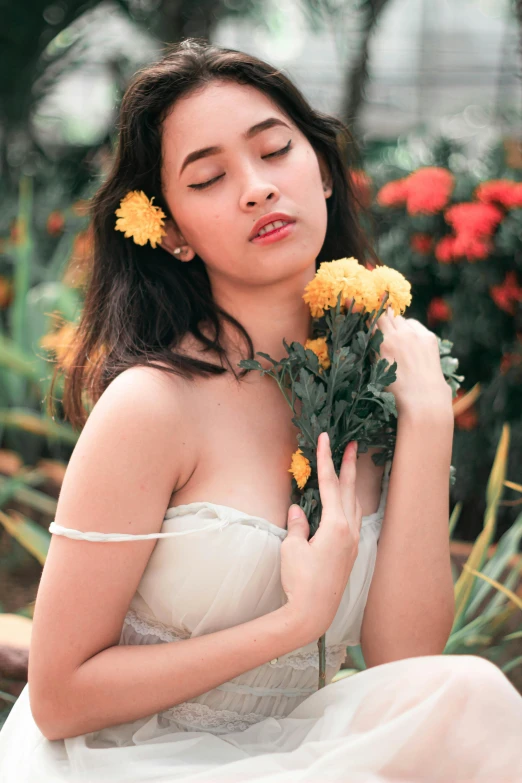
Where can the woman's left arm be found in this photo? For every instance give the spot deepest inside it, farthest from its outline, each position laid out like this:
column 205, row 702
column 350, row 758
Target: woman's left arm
column 410, row 605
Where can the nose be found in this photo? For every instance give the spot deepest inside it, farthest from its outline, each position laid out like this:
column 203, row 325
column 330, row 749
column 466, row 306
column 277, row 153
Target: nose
column 256, row 193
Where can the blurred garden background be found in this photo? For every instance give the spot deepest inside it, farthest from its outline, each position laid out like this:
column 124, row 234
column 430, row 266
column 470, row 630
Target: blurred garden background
column 432, row 91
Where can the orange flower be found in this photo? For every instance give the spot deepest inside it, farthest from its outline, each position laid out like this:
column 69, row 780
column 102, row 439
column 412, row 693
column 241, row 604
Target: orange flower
column 300, row 468
column 438, row 310
column 140, row 219
column 55, row 223
column 421, row 243
column 320, row 348
column 468, row 419
column 507, row 294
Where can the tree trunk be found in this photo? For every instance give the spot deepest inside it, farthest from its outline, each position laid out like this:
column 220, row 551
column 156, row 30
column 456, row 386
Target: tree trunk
column 357, row 74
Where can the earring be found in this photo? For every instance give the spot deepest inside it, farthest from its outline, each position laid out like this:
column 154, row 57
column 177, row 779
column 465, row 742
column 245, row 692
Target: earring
column 178, row 251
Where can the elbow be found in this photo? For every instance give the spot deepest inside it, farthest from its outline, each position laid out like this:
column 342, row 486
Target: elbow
column 53, row 729
column 50, row 717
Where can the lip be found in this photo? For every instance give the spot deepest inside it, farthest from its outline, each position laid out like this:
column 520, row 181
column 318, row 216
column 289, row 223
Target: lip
column 270, row 218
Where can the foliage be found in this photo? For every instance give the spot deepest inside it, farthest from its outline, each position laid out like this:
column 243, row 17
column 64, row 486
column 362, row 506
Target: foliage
column 469, row 292
column 347, row 399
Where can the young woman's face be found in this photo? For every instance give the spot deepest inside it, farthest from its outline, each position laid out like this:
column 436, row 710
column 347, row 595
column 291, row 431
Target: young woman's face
column 218, row 195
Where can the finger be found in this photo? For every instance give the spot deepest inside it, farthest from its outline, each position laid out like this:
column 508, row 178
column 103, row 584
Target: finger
column 347, row 476
column 297, row 523
column 329, row 489
column 382, row 323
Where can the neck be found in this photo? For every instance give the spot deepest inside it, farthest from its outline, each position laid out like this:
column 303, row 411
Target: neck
column 269, row 313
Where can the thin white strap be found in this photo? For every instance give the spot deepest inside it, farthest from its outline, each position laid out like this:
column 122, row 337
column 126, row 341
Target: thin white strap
column 70, row 532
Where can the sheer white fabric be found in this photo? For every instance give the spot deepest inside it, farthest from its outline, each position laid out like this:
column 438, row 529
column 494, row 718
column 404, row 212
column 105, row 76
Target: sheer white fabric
column 432, row 718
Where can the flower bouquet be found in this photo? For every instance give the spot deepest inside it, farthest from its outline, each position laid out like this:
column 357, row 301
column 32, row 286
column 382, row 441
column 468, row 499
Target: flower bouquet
column 336, row 381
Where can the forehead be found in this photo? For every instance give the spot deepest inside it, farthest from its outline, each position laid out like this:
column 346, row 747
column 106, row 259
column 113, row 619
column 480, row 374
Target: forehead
column 216, row 114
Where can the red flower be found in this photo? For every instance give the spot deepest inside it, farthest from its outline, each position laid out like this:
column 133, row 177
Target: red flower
column 421, row 243
column 393, row 194
column 468, row 246
column 503, row 191
column 478, row 219
column 429, row 190
column 426, row 190
column 516, row 196
column 55, row 223
column 438, row 310
column 508, row 361
column 444, row 250
column 468, row 419
column 362, row 184
column 507, row 294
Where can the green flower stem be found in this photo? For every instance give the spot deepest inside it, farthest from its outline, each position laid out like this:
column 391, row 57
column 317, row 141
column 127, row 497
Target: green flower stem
column 321, row 644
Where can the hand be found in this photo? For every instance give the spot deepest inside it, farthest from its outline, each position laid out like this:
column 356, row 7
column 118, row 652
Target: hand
column 420, row 380
column 315, row 572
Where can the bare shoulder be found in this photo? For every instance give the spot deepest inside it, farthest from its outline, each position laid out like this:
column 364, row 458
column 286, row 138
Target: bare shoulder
column 135, row 446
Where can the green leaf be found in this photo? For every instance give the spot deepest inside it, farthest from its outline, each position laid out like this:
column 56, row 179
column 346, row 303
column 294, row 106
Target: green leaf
column 250, row 364
column 310, row 391
column 267, row 357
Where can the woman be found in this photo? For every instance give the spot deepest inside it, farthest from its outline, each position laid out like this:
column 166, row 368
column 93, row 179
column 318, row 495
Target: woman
column 184, row 648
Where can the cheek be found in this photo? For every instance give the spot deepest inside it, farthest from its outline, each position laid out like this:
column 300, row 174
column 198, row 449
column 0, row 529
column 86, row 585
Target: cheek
column 209, row 231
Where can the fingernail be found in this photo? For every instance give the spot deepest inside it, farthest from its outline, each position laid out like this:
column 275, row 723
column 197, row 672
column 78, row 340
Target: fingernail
column 294, row 511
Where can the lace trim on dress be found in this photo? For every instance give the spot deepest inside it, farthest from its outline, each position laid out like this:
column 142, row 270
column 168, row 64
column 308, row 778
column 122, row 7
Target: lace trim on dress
column 335, row 654
column 199, row 717
column 146, row 626
column 252, row 690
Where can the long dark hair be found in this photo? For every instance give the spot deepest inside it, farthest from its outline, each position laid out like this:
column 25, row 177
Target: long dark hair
column 140, row 303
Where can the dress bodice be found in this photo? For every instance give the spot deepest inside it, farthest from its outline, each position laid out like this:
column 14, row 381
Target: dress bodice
column 214, row 567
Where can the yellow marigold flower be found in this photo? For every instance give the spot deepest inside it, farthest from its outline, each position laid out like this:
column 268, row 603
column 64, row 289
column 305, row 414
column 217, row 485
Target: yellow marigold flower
column 344, row 275
column 386, row 279
column 300, row 468
column 320, row 348
column 139, row 219
column 320, row 294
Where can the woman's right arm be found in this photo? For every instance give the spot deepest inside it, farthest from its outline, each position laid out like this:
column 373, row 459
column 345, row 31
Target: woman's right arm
column 136, row 446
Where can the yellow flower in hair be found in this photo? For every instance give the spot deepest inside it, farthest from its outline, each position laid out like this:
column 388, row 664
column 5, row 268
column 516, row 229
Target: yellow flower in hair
column 139, row 219
column 386, row 279
column 300, row 468
column 320, row 348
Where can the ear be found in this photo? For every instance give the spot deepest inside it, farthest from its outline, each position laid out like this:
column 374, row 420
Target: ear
column 174, row 239
column 326, row 177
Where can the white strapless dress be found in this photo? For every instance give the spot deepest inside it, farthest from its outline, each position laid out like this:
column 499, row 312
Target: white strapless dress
column 443, row 718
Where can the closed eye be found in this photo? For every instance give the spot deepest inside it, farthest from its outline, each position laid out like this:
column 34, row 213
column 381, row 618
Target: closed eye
column 283, row 151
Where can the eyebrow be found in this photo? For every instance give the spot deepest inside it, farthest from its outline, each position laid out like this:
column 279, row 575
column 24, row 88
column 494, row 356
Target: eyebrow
column 270, row 122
